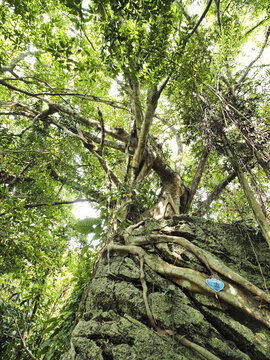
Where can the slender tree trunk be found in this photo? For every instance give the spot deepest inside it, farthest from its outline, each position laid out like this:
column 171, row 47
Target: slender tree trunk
column 257, row 211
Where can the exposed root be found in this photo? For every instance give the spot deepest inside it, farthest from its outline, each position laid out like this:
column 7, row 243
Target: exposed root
column 182, row 340
column 144, row 287
column 212, row 263
column 194, row 281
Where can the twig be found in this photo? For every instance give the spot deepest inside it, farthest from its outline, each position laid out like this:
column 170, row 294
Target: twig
column 255, row 26
column 227, row 7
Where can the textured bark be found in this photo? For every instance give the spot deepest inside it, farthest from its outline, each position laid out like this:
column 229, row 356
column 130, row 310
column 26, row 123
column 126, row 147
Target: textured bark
column 148, row 298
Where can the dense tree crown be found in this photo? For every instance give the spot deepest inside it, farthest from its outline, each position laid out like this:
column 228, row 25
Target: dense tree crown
column 142, row 108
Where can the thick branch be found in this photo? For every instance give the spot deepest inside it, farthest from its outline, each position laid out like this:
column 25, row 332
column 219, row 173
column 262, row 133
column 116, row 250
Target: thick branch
column 174, row 194
column 152, row 101
column 118, row 133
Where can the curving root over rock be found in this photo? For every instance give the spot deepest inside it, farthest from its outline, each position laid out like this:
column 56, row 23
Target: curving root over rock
column 149, row 299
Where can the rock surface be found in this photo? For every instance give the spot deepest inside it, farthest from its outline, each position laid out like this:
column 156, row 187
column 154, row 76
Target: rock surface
column 115, row 325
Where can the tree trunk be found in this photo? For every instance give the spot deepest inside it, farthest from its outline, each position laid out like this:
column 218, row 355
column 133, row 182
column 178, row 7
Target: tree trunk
column 149, row 299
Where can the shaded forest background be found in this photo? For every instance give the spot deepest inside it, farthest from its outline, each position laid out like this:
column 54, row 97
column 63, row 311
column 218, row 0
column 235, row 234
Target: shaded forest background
column 144, row 109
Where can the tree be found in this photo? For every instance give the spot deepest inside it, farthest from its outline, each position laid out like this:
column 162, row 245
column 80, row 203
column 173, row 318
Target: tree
column 64, row 137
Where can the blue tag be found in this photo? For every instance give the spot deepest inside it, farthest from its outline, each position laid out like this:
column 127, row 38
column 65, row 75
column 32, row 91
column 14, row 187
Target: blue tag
column 215, row 284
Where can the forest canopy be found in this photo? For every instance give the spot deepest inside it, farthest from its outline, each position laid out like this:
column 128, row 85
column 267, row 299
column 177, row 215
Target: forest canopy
column 141, row 108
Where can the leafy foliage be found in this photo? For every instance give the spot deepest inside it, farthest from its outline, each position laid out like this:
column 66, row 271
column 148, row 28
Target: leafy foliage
column 83, row 86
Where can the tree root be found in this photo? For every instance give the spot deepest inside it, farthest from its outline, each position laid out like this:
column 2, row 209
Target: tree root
column 212, row 263
column 182, row 340
column 194, row 281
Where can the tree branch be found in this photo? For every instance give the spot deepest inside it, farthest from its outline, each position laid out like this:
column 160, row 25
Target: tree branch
column 257, row 211
column 205, row 205
column 255, row 27
column 163, row 85
column 137, row 104
column 23, row 341
column 18, row 177
column 11, row 87
column 86, row 137
column 249, row 67
column 99, row 151
column 10, row 68
column 90, row 145
column 187, row 16
column 199, row 21
column 64, row 181
column 113, row 103
column 217, row 2
column 107, row 169
column 116, row 133
column 57, row 203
